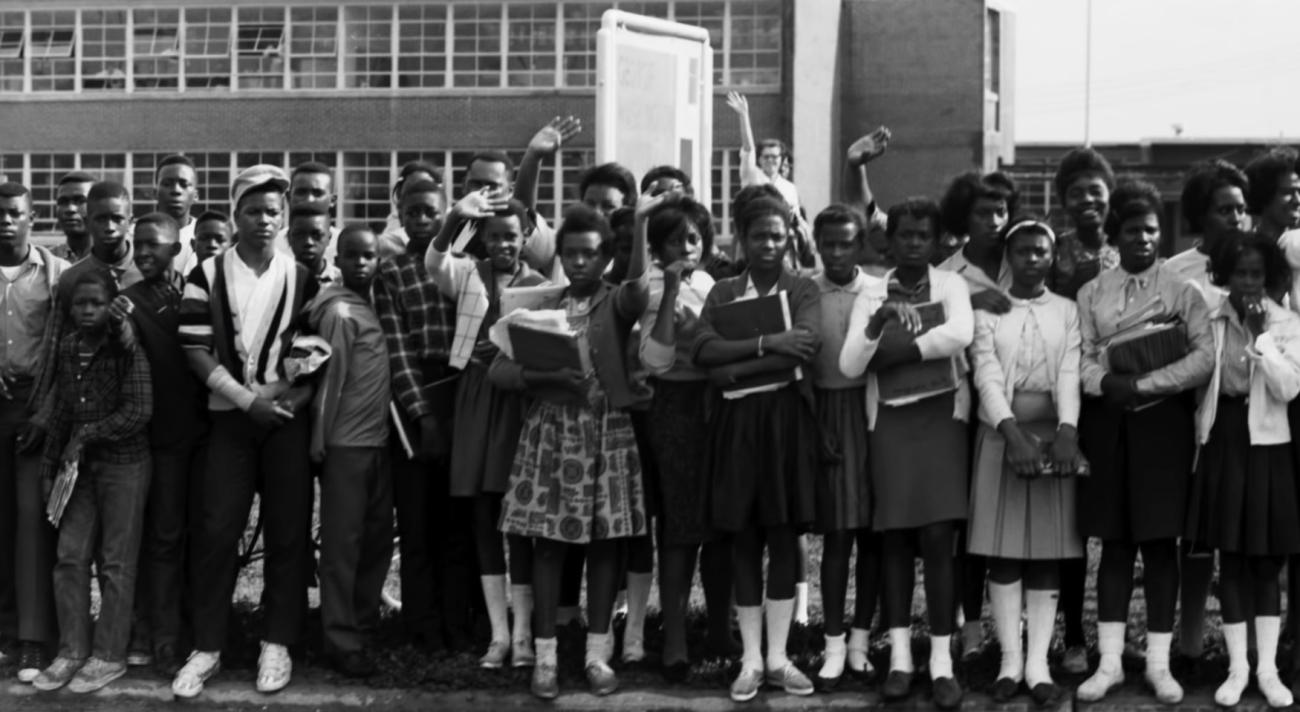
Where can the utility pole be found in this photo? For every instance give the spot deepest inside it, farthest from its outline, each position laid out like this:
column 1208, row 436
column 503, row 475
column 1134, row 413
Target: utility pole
column 1087, row 80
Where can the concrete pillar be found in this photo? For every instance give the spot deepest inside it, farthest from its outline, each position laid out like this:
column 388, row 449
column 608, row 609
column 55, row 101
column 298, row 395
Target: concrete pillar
column 815, row 79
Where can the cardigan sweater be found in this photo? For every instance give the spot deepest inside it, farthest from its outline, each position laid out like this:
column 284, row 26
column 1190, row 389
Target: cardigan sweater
column 1274, row 376
column 993, row 353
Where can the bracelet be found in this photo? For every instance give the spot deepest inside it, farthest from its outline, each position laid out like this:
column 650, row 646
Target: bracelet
column 760, row 346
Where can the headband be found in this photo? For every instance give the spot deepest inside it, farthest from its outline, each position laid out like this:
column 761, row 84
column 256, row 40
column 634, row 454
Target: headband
column 1023, row 224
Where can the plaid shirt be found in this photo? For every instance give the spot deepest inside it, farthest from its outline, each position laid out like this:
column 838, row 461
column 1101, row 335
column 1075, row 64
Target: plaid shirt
column 108, row 402
column 419, row 323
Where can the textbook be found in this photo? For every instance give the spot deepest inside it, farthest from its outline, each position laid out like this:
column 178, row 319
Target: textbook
column 1145, row 347
column 547, row 349
column 751, row 318
column 513, row 298
column 911, row 382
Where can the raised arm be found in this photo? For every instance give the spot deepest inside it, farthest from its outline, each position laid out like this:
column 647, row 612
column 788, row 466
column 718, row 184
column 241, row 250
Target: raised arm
column 749, row 172
column 857, row 186
column 634, row 293
column 449, row 271
column 545, row 142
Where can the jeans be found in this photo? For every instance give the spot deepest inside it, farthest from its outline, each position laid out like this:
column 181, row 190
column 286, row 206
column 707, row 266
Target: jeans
column 26, row 538
column 102, row 523
column 356, row 542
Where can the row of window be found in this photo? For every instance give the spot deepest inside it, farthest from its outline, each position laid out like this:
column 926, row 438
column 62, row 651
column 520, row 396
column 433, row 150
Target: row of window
column 363, row 179
column 373, row 46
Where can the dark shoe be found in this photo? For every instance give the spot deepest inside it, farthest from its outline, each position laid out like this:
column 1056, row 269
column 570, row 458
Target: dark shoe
column 826, row 684
column 458, row 641
column 1004, row 689
column 677, row 672
column 601, row 679
column 352, row 663
column 1046, row 694
column 898, row 685
column 946, row 693
column 722, row 646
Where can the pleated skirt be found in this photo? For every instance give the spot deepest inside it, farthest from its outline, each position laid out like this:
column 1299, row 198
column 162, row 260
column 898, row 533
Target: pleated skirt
column 844, row 485
column 488, row 421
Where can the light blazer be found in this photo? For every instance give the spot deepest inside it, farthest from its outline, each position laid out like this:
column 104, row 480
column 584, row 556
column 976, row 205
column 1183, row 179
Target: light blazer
column 997, row 339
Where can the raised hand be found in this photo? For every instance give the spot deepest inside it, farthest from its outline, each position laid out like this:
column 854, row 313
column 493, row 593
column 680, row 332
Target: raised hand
column 870, row 146
column 648, row 202
column 738, row 103
column 480, row 204
column 554, row 134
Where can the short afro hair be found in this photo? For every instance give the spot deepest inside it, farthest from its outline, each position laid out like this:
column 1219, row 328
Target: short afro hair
column 614, row 175
column 917, row 208
column 162, row 221
column 839, row 215
column 1079, row 162
column 667, row 219
column 1265, row 172
column 1131, row 199
column 108, row 190
column 760, row 208
column 966, row 188
column 1227, row 253
column 1202, row 181
column 580, row 218
column 673, row 172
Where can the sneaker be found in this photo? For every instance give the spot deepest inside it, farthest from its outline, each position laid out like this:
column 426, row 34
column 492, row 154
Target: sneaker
column 545, row 684
column 200, row 668
column 353, row 664
column 495, row 657
column 601, row 678
column 31, row 660
column 1075, row 660
column 521, row 654
column 274, row 668
column 59, row 673
column 789, row 678
column 745, row 688
column 95, row 675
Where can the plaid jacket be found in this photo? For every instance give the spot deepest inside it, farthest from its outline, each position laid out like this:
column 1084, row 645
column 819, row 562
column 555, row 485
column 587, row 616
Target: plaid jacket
column 419, row 323
column 474, row 287
column 109, row 402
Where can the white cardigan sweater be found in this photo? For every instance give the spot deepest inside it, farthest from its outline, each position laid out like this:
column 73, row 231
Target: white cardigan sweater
column 997, row 339
column 1274, row 376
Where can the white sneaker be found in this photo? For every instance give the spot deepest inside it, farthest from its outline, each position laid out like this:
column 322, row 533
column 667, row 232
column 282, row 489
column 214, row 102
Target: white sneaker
column 199, row 668
column 1229, row 693
column 274, row 668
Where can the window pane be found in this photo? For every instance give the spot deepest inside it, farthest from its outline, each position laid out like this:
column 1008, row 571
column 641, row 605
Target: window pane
column 207, row 47
column 103, row 49
column 156, row 43
column 12, row 36
column 653, row 9
column 50, row 46
column 105, row 166
column 369, row 60
column 11, row 167
column 710, row 16
column 214, row 182
column 259, row 47
column 476, row 48
column 143, row 189
column 47, row 169
column 422, row 46
column 364, row 187
column 313, row 48
column 581, row 21
column 756, row 44
column 531, row 55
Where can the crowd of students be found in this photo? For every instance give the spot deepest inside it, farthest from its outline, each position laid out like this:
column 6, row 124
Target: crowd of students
column 176, row 365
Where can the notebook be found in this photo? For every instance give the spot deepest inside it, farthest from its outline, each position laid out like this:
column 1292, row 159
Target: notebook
column 751, row 318
column 911, row 382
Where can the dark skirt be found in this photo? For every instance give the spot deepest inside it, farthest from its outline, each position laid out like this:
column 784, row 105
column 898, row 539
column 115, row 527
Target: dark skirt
column 679, row 446
column 1141, row 462
column 488, row 421
column 1243, row 498
column 844, row 485
column 920, row 464
column 762, row 458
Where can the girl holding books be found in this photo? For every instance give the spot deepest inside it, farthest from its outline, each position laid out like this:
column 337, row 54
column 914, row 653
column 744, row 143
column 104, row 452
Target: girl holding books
column 576, row 477
column 488, row 418
column 764, row 441
column 680, row 234
column 1026, row 365
column 843, row 486
column 1243, row 498
column 1136, row 429
column 919, row 444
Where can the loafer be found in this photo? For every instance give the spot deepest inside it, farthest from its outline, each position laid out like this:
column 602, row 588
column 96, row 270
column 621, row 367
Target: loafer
column 59, row 673
column 827, row 684
column 95, row 675
column 1046, row 694
column 1004, row 689
column 495, row 657
column 677, row 672
column 601, row 678
column 522, row 654
column 1075, row 660
column 946, row 693
column 746, row 685
column 545, row 684
column 274, row 668
column 200, row 668
column 897, row 685
column 789, row 678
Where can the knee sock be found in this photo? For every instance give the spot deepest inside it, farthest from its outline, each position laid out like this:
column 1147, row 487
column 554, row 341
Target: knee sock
column 597, row 648
column 638, row 597
column 779, row 614
column 751, row 636
column 521, row 601
column 900, row 649
column 1005, row 600
column 940, row 656
column 494, row 597
column 1041, row 608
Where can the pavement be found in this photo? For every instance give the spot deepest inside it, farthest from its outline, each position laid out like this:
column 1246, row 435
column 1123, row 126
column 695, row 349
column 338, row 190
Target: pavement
column 142, row 695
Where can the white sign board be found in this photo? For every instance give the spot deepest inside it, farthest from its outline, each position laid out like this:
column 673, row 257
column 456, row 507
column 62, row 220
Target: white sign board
column 654, row 96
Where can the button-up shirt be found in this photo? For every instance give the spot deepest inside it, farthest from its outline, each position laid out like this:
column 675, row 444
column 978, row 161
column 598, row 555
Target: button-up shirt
column 976, row 278
column 25, row 305
column 836, row 307
column 1105, row 302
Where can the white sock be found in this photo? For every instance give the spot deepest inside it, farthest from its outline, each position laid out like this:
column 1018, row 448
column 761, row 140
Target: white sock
column 521, row 601
column 1110, row 643
column 545, row 649
column 494, row 597
column 1041, row 607
column 859, row 643
column 940, row 656
column 1158, row 651
column 1267, row 630
column 900, row 649
column 751, row 636
column 638, row 598
column 1229, row 692
column 596, row 648
column 833, row 659
column 801, row 603
column 778, row 614
column 1005, row 600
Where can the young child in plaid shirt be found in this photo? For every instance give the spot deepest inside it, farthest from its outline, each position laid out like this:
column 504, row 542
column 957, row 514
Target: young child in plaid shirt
column 96, row 415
